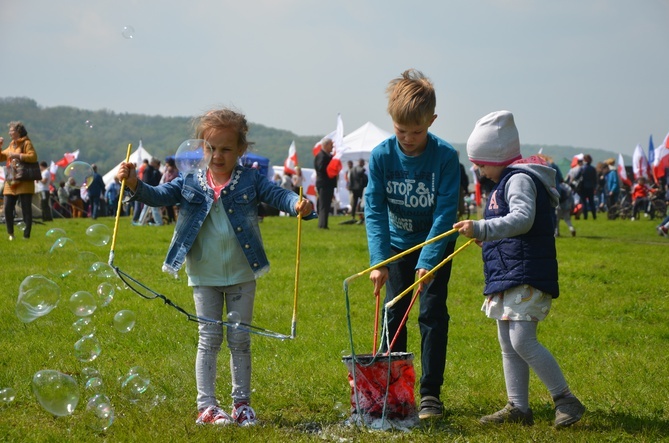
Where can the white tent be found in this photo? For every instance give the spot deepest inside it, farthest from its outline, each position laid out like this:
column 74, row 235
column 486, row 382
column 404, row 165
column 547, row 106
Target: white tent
column 358, row 145
column 136, row 157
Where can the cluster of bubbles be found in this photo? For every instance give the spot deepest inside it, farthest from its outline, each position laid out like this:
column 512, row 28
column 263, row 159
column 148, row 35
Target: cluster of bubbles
column 59, row 393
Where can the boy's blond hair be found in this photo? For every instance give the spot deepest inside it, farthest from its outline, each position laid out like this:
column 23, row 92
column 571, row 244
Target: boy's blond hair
column 411, row 98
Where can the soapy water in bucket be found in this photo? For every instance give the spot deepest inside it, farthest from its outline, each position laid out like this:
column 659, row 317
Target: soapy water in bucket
column 382, row 388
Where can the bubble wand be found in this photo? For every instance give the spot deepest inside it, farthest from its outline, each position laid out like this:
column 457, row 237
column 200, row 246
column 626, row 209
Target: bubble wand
column 293, row 326
column 118, row 212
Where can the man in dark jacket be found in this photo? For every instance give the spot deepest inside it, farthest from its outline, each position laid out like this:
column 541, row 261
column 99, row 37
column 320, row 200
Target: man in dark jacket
column 95, row 190
column 325, row 185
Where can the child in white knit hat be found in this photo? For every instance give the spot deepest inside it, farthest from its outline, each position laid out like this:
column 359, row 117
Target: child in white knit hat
column 520, row 265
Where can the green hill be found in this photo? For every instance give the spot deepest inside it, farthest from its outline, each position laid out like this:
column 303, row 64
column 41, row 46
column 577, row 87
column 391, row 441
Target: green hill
column 102, row 136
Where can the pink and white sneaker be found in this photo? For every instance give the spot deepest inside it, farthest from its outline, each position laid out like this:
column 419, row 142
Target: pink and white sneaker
column 215, row 416
column 244, row 415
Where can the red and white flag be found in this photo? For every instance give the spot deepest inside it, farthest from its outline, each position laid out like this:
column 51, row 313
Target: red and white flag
column 477, row 186
column 661, row 161
column 53, row 168
column 68, row 158
column 640, row 164
column 622, row 172
column 335, row 166
column 291, row 161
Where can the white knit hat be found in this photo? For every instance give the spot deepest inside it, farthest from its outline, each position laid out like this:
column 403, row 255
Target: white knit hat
column 494, row 140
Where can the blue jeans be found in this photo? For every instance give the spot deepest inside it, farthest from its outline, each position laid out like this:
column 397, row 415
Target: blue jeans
column 209, row 302
column 433, row 317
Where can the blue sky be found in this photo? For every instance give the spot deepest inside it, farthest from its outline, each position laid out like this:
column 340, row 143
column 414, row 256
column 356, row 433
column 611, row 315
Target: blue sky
column 590, row 74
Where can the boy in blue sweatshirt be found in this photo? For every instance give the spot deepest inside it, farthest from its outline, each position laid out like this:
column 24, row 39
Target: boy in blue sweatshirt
column 412, row 196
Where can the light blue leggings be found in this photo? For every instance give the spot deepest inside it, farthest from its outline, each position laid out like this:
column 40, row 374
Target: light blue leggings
column 521, row 351
column 209, row 302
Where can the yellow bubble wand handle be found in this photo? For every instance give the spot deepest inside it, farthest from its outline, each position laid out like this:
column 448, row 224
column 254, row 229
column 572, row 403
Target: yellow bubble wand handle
column 429, row 274
column 293, row 327
column 401, row 254
column 118, row 211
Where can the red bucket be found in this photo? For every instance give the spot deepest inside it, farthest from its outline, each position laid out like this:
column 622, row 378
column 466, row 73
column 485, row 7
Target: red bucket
column 373, row 381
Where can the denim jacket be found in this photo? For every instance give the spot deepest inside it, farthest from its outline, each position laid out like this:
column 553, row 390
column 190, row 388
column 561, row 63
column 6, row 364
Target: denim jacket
column 240, row 198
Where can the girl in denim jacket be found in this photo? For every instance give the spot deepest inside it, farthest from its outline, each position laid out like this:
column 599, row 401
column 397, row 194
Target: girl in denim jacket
column 218, row 237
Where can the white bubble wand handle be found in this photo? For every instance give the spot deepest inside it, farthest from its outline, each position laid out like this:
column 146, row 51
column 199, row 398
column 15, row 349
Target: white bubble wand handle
column 118, row 211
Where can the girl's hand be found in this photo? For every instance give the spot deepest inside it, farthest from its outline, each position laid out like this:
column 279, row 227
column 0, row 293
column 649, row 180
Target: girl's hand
column 304, row 207
column 465, row 227
column 128, row 172
column 379, row 278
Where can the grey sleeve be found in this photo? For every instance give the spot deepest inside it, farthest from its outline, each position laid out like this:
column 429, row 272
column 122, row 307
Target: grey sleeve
column 521, row 193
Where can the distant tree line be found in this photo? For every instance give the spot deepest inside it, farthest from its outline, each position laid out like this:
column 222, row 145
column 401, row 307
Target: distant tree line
column 102, row 136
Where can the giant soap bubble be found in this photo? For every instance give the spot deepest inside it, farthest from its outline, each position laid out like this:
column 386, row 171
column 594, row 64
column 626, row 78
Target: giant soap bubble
column 81, row 174
column 192, row 155
column 37, row 297
column 58, row 393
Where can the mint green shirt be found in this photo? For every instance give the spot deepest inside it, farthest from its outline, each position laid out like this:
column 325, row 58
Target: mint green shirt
column 216, row 258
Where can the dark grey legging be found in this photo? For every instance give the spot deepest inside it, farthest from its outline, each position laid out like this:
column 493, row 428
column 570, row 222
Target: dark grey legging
column 26, row 209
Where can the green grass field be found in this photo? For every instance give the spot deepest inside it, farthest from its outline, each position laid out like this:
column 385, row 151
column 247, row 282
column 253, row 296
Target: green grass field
column 609, row 330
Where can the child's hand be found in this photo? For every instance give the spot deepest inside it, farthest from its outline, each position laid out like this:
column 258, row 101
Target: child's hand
column 465, row 227
column 128, row 173
column 379, row 277
column 304, row 207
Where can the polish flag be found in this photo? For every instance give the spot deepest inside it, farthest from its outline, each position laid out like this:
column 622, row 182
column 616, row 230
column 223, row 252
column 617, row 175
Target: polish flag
column 291, row 162
column 661, row 162
column 335, row 166
column 317, row 147
column 53, row 168
column 68, row 158
column 640, row 164
column 477, row 186
column 575, row 159
column 311, row 189
column 622, row 173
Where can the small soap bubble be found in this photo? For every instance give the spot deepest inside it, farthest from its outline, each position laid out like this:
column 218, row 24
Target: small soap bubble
column 124, row 321
column 87, row 348
column 98, row 234
column 21, row 225
column 94, row 384
column 128, row 32
column 99, row 413
column 101, row 270
column 105, row 294
column 62, row 258
column 89, row 372
column 192, row 155
column 82, row 304
column 135, row 383
column 81, row 172
column 55, row 233
column 83, row 326
column 58, row 393
column 37, row 297
column 7, row 395
column 234, row 318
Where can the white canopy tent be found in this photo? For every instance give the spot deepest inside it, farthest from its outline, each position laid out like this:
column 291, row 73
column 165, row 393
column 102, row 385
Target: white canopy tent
column 356, row 145
column 137, row 157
